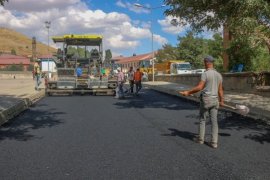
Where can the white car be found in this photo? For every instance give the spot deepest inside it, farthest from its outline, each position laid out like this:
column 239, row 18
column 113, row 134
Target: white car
column 199, row 71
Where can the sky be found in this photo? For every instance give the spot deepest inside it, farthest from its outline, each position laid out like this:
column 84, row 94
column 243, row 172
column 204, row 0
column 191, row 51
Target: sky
column 126, row 28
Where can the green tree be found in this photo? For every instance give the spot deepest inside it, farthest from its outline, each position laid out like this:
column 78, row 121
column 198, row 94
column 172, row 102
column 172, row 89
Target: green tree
column 249, row 19
column 13, row 51
column 77, row 51
column 215, row 49
column 214, row 13
column 15, row 67
column 261, row 61
column 30, row 67
column 2, row 2
column 108, row 55
column 192, row 49
column 168, row 52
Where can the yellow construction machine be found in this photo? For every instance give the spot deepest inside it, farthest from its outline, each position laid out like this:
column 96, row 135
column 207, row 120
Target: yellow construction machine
column 80, row 68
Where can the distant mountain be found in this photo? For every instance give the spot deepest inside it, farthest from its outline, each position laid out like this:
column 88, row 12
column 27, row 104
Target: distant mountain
column 11, row 40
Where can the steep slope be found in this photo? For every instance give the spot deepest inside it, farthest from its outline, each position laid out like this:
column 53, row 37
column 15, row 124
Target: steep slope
column 10, row 39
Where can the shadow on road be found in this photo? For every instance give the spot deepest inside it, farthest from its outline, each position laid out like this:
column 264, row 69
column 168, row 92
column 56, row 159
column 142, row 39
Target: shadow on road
column 232, row 121
column 183, row 134
column 260, row 130
column 147, row 99
column 20, row 128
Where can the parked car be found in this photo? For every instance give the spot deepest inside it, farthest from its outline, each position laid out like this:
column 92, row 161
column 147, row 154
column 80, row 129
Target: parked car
column 198, row 71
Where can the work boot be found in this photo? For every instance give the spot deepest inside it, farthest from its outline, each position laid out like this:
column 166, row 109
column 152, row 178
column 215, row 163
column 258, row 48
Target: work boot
column 198, row 140
column 212, row 145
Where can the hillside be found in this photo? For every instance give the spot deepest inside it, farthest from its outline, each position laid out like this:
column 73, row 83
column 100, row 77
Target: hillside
column 10, row 39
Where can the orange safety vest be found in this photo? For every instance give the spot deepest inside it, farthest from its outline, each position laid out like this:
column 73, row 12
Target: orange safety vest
column 138, row 76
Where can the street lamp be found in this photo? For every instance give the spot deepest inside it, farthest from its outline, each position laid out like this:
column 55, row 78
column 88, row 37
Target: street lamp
column 152, row 35
column 48, row 25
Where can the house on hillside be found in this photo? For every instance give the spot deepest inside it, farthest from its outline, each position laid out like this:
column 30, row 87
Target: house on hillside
column 7, row 60
column 136, row 61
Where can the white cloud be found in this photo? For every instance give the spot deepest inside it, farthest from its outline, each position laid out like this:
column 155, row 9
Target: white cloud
column 35, row 5
column 118, row 42
column 132, row 7
column 121, row 4
column 169, row 28
column 117, row 28
column 159, row 39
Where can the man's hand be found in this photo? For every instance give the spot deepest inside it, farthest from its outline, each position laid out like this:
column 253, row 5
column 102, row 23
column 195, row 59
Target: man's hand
column 221, row 103
column 184, row 93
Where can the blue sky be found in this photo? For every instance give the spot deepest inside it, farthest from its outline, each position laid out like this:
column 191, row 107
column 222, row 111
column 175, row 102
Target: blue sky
column 126, row 28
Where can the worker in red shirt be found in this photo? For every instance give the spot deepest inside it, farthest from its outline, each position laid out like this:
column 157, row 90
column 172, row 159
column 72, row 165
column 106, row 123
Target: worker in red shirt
column 138, row 80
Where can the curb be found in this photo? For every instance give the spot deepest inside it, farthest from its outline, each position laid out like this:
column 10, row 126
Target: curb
column 20, row 106
column 256, row 113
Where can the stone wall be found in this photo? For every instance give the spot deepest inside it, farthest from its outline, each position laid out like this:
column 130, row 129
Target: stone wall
column 241, row 82
column 15, row 74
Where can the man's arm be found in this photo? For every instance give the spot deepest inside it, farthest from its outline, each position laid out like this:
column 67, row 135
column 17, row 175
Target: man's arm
column 220, row 94
column 197, row 88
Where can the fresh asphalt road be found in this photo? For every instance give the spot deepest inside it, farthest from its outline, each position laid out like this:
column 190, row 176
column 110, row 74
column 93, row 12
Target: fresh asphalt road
column 145, row 137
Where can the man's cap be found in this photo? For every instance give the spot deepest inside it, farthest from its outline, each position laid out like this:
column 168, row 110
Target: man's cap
column 209, row 59
column 118, row 69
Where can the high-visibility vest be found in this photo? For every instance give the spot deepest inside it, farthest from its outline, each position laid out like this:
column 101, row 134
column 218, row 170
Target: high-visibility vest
column 37, row 68
column 138, row 76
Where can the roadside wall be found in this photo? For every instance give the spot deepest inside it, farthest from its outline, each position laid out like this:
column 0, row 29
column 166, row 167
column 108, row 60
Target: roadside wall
column 16, row 74
column 241, row 82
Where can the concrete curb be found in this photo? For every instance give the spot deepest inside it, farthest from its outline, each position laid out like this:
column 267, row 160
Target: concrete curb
column 20, row 106
column 255, row 113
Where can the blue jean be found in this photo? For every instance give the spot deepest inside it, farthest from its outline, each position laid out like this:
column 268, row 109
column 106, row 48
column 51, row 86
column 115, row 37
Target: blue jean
column 37, row 81
column 119, row 90
column 209, row 107
column 138, row 86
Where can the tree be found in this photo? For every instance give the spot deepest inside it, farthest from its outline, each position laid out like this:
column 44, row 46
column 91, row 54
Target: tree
column 30, row 67
column 192, row 49
column 215, row 49
column 168, row 52
column 108, row 55
column 15, row 67
column 249, row 18
column 13, row 51
column 2, row 2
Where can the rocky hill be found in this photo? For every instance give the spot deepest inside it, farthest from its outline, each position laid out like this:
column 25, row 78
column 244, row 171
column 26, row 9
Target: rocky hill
column 11, row 40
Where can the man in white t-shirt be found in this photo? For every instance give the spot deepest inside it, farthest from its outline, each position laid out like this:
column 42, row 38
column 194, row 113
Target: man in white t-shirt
column 120, row 82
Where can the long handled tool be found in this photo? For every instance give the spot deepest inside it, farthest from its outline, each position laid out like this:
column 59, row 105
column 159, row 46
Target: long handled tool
column 241, row 109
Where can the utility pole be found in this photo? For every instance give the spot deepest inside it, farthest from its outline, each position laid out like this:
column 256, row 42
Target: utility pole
column 48, row 25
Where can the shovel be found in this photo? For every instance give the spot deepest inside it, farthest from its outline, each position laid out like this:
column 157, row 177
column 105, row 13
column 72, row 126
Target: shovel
column 241, row 109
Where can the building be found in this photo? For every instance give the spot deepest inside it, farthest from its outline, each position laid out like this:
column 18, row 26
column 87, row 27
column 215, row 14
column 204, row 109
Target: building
column 47, row 63
column 7, row 60
column 136, row 61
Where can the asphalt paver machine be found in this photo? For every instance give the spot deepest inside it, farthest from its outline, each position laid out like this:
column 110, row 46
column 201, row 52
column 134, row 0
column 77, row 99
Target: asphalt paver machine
column 80, row 67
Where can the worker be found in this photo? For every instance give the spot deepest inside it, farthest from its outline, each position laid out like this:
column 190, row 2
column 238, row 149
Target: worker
column 210, row 99
column 138, row 80
column 120, row 82
column 37, row 74
column 131, row 79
